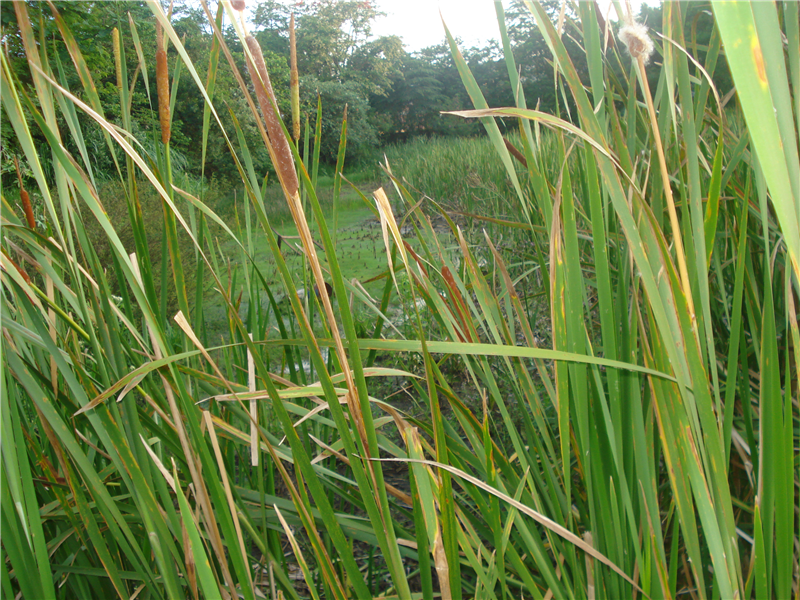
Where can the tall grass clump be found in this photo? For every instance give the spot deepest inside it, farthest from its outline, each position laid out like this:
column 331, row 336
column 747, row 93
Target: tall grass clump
column 650, row 452
column 464, row 174
column 686, row 475
column 460, row 173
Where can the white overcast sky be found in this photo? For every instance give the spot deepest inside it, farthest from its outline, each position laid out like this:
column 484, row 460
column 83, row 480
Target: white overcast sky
column 475, row 21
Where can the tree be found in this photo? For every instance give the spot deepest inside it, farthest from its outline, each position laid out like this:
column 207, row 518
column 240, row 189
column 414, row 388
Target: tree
column 374, row 65
column 337, row 59
column 362, row 136
column 91, row 24
column 329, row 34
column 533, row 56
column 428, row 84
column 418, row 95
column 271, row 19
column 228, row 99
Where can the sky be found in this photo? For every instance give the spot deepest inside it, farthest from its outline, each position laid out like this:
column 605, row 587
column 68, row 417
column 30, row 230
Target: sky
column 419, row 24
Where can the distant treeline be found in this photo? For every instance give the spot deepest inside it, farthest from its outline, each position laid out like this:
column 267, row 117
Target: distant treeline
column 391, row 95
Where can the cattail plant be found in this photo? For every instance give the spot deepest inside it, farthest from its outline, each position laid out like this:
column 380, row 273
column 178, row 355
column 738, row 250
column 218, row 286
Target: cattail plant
column 639, row 45
column 636, row 39
column 164, row 117
column 651, row 452
column 284, row 163
column 117, row 56
column 162, row 84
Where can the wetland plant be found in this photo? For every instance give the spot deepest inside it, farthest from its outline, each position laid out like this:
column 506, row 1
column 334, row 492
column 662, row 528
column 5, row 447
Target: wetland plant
column 650, row 451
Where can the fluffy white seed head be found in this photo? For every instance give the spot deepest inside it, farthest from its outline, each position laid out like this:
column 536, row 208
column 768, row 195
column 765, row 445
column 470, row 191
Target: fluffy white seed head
column 634, row 36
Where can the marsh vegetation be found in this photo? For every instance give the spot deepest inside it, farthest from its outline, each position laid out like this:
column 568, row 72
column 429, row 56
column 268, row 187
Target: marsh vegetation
column 557, row 359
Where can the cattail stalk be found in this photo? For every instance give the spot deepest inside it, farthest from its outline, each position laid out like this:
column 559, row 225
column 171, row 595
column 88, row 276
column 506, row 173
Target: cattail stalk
column 162, row 84
column 284, row 163
column 294, row 82
column 640, row 47
column 117, row 56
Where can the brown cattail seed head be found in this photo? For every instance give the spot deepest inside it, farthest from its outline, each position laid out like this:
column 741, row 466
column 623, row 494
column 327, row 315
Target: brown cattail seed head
column 117, row 55
column 162, row 84
column 266, row 97
column 238, row 5
column 639, row 45
column 26, row 204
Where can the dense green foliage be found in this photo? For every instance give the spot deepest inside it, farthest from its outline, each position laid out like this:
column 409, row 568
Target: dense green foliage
column 576, row 375
column 392, row 95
